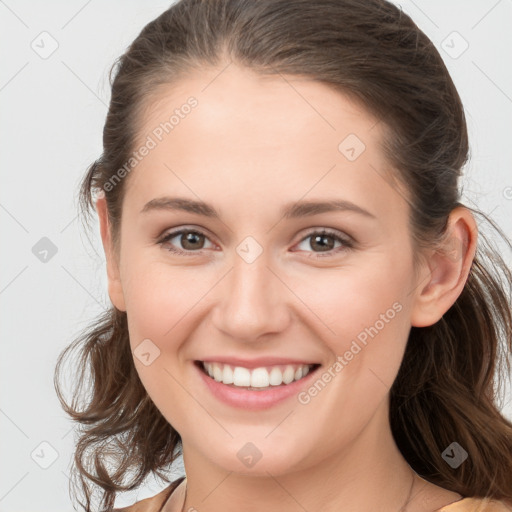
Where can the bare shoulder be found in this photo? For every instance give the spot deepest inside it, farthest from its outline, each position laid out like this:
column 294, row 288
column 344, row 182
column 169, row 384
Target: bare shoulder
column 478, row 505
column 430, row 497
column 154, row 503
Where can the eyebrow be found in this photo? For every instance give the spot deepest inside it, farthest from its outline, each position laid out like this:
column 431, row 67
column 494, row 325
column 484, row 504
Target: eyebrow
column 289, row 211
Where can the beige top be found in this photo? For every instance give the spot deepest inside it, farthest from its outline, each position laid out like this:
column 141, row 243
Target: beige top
column 156, row 503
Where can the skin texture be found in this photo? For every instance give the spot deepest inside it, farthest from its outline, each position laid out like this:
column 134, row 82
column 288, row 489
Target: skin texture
column 250, row 146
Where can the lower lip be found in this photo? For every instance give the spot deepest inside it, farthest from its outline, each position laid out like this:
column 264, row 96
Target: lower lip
column 254, row 400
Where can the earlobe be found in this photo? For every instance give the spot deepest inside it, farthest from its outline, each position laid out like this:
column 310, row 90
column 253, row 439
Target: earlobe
column 446, row 270
column 115, row 290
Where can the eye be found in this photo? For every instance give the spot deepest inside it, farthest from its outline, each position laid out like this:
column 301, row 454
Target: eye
column 192, row 241
column 325, row 241
column 322, row 242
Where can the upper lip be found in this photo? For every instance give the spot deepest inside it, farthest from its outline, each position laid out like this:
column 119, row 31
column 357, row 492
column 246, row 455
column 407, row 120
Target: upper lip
column 257, row 362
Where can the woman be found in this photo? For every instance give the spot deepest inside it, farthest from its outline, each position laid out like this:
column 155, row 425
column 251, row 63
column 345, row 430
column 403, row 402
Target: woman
column 300, row 305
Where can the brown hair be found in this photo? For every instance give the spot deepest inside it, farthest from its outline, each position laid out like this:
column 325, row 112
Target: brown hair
column 447, row 386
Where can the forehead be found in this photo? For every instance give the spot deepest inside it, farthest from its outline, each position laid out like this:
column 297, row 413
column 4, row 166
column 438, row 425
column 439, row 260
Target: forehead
column 231, row 126
column 266, row 105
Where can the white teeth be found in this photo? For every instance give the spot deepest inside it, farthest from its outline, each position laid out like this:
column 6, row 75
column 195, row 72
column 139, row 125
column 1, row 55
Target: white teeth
column 258, row 377
column 227, row 374
column 241, row 376
column 276, row 377
column 217, row 373
column 288, row 374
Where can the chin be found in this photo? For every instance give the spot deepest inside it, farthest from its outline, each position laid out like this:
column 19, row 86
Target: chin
column 258, row 459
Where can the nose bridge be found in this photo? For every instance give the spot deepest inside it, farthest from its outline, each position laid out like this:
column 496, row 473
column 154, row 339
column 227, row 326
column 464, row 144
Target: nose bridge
column 252, row 301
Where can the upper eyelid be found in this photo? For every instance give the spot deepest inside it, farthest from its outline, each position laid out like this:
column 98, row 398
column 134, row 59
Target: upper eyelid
column 178, row 231
column 344, row 237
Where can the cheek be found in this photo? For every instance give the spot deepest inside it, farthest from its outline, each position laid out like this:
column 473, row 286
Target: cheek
column 353, row 303
column 159, row 297
column 365, row 315
column 160, row 304
column 365, row 323
column 357, row 302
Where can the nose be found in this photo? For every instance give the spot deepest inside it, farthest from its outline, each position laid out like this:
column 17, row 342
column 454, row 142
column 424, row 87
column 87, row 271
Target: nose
column 253, row 301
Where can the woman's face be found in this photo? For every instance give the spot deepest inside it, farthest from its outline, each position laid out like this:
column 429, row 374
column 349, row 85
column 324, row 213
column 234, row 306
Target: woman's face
column 259, row 284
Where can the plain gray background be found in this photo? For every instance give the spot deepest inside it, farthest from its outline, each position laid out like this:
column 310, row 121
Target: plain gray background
column 53, row 108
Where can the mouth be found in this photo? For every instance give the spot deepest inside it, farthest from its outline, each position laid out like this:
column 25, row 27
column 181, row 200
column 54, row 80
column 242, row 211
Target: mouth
column 256, row 379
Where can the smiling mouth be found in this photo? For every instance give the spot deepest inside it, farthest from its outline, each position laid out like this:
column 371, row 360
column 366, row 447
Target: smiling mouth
column 256, row 379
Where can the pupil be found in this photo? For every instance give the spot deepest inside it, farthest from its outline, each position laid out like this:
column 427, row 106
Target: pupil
column 322, row 241
column 189, row 239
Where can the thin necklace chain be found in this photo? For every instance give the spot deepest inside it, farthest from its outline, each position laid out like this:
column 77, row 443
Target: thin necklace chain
column 403, row 509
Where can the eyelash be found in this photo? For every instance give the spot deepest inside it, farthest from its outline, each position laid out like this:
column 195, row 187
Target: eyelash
column 348, row 243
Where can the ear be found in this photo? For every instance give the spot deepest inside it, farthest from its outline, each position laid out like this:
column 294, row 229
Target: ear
column 446, row 269
column 115, row 290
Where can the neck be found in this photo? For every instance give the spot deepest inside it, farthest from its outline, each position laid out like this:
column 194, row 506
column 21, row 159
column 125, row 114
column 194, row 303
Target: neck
column 369, row 474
